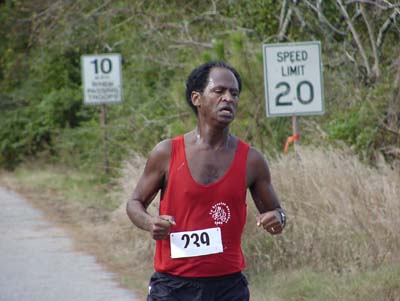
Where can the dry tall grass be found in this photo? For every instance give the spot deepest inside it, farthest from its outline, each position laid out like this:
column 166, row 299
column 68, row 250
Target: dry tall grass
column 343, row 216
column 132, row 249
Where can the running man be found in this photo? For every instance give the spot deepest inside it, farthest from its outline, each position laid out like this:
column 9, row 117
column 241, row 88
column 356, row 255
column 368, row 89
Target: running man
column 203, row 177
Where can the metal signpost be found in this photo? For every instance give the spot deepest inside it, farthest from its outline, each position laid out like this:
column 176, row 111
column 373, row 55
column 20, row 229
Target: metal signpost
column 102, row 84
column 293, row 81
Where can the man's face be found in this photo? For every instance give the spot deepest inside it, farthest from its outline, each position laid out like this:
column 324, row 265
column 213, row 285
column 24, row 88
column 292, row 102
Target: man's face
column 220, row 98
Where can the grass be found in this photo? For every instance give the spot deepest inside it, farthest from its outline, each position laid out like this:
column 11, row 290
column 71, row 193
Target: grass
column 342, row 241
column 343, row 214
column 305, row 284
column 87, row 189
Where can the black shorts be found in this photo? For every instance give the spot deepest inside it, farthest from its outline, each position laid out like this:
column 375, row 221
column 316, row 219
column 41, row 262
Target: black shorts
column 165, row 287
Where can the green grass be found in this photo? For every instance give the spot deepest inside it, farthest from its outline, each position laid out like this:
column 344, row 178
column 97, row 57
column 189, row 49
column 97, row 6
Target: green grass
column 305, row 284
column 75, row 186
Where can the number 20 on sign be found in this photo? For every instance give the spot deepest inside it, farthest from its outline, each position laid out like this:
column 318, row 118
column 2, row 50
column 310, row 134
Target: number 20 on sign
column 293, row 79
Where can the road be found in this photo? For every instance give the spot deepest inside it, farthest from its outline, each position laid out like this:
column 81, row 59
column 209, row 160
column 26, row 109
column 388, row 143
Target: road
column 38, row 262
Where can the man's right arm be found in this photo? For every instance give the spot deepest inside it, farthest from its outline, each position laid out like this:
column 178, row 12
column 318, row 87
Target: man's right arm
column 150, row 183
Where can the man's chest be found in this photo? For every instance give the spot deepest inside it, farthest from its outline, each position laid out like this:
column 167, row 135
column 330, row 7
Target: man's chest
column 209, row 166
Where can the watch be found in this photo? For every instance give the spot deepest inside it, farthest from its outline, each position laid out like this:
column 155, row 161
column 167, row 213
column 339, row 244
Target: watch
column 283, row 217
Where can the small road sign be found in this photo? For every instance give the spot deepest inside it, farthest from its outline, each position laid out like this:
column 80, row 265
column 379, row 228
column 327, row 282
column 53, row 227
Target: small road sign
column 293, row 79
column 101, row 77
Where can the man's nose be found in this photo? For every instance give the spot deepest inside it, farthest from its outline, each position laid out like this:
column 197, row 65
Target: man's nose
column 229, row 97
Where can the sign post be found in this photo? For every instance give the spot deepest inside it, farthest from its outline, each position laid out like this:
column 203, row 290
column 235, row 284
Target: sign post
column 102, row 84
column 293, row 81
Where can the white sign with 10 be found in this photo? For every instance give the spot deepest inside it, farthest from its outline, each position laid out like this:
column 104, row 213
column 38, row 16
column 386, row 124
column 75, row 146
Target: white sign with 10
column 102, row 80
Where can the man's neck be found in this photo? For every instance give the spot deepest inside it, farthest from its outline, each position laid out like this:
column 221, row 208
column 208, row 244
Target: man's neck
column 212, row 138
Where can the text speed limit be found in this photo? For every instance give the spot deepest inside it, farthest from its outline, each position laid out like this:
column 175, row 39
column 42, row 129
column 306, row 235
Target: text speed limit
column 293, row 79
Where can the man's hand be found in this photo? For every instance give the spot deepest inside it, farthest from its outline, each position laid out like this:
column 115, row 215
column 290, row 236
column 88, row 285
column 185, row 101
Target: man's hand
column 160, row 226
column 270, row 221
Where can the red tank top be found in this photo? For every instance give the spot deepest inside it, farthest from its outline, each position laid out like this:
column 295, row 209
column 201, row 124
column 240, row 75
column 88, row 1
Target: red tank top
column 195, row 207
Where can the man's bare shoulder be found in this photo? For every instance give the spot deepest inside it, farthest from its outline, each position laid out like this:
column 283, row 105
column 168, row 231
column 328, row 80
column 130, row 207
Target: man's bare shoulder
column 160, row 154
column 162, row 148
column 257, row 166
column 255, row 157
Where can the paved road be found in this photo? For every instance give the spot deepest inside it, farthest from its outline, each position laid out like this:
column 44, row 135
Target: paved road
column 37, row 261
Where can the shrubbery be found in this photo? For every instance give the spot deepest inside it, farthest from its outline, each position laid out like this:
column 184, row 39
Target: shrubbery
column 160, row 42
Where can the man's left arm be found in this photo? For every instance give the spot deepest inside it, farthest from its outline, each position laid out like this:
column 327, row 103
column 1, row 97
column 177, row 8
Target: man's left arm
column 272, row 217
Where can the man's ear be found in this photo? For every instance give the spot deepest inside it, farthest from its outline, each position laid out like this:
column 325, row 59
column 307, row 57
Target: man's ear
column 195, row 98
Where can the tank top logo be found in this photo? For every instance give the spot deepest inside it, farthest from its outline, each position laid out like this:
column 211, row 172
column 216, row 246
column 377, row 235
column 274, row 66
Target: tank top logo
column 220, row 213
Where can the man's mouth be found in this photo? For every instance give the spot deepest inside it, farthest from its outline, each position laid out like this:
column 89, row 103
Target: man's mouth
column 228, row 111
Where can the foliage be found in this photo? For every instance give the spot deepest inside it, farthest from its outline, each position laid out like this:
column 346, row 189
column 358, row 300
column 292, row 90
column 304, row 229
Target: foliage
column 360, row 124
column 41, row 99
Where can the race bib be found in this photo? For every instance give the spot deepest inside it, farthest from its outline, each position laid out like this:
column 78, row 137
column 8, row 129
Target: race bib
column 196, row 243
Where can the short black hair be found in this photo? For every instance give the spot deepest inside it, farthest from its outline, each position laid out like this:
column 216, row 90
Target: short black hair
column 198, row 78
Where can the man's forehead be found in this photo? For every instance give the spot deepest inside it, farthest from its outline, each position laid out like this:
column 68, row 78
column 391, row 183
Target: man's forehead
column 220, row 76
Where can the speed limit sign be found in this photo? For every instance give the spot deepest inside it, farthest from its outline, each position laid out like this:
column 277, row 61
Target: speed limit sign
column 293, row 79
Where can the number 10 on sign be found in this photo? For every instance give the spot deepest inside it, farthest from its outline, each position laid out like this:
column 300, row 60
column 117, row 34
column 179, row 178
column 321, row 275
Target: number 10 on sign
column 293, row 79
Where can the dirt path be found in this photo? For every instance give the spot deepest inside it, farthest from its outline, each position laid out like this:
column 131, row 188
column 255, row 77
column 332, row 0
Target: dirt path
column 38, row 263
